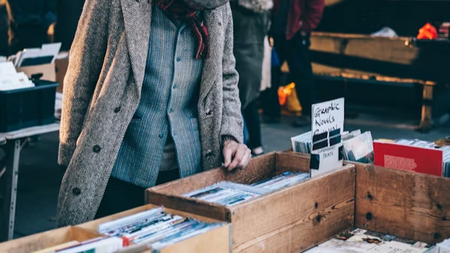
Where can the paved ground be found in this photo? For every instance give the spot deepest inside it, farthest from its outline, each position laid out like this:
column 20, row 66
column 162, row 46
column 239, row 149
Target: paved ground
column 39, row 175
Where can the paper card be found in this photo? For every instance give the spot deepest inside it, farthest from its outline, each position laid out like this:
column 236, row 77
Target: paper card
column 51, row 49
column 7, row 68
column 328, row 116
column 328, row 160
column 327, row 126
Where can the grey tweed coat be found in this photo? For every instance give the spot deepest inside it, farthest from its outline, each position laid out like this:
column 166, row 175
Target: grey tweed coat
column 102, row 92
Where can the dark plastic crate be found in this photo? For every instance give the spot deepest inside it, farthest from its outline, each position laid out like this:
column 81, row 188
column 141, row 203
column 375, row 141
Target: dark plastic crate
column 28, row 107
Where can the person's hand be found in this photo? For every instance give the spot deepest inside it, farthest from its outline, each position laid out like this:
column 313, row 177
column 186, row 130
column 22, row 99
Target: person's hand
column 236, row 155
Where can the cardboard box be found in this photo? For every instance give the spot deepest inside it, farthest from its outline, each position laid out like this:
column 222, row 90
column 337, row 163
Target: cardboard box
column 47, row 70
column 47, row 239
column 292, row 219
column 61, row 70
column 217, row 239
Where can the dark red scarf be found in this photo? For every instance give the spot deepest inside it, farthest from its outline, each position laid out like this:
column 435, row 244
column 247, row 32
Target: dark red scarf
column 178, row 9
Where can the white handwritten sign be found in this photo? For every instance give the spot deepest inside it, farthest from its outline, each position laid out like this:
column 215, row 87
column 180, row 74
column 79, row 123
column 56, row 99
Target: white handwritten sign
column 329, row 160
column 328, row 116
column 328, row 122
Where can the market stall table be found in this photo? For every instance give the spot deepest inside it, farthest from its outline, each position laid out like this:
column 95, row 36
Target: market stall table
column 12, row 143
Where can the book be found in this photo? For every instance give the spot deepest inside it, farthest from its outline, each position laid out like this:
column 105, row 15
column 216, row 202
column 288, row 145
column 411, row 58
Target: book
column 359, row 148
column 229, row 193
column 410, row 158
column 154, row 227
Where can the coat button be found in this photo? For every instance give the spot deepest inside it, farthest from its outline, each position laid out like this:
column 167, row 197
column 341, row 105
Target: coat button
column 208, row 113
column 117, row 109
column 97, row 149
column 76, row 191
column 178, row 59
column 161, row 136
column 209, row 153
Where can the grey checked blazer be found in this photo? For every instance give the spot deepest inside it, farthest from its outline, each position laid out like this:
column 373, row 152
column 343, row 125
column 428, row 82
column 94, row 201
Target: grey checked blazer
column 102, row 92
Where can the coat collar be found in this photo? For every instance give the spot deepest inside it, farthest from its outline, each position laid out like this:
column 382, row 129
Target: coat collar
column 137, row 18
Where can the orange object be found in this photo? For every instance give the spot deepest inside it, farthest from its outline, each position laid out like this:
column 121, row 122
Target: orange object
column 428, row 31
column 284, row 92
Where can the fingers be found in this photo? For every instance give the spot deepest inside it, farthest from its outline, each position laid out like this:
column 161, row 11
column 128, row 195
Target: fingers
column 246, row 160
column 227, row 155
column 240, row 158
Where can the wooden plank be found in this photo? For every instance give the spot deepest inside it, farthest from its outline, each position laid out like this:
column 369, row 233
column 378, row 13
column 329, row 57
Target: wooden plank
column 306, row 232
column 192, row 183
column 302, row 207
column 217, row 240
column 47, row 239
column 406, row 204
column 426, row 117
column 93, row 225
column 188, row 205
column 259, row 168
column 365, row 46
column 290, row 161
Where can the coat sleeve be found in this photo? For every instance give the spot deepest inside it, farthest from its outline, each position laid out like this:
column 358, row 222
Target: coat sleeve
column 86, row 58
column 313, row 15
column 232, row 123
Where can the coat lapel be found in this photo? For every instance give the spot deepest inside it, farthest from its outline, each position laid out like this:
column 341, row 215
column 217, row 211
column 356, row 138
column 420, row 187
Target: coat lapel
column 212, row 65
column 137, row 18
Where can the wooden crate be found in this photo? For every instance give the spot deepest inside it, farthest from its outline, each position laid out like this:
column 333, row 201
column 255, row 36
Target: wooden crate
column 47, row 239
column 217, row 239
column 406, row 204
column 289, row 220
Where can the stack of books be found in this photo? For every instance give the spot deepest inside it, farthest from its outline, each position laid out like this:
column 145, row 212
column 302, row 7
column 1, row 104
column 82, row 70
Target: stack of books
column 154, row 229
column 151, row 229
column 230, row 194
column 284, row 180
column 410, row 155
column 302, row 143
column 357, row 146
column 446, row 151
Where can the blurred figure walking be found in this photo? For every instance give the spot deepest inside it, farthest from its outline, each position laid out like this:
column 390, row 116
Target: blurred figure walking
column 293, row 22
column 251, row 19
column 29, row 21
column 69, row 13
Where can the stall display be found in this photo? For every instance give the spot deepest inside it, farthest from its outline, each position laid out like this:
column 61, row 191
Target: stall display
column 287, row 219
column 144, row 229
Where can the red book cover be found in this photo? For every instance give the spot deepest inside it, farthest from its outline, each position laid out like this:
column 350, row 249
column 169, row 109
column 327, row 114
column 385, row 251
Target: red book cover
column 403, row 157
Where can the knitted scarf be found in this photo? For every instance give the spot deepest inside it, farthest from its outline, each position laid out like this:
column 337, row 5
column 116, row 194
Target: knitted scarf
column 178, row 9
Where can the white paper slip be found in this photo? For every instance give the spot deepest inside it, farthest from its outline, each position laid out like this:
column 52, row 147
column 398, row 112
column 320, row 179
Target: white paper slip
column 7, row 68
column 28, row 53
column 51, row 50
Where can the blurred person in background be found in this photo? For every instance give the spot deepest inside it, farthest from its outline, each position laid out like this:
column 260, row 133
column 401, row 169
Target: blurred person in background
column 294, row 20
column 251, row 19
column 29, row 21
column 69, row 12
